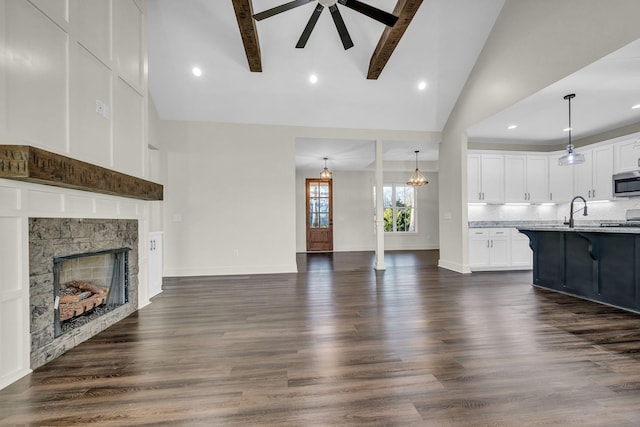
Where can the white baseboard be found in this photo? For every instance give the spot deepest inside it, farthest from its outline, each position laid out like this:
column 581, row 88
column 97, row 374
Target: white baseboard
column 453, row 266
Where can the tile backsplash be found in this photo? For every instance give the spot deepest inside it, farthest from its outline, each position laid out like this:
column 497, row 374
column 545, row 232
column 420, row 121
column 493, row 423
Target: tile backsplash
column 610, row 210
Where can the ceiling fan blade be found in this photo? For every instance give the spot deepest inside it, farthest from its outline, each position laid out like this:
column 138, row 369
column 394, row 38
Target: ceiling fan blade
column 342, row 29
column 379, row 15
column 279, row 9
column 310, row 25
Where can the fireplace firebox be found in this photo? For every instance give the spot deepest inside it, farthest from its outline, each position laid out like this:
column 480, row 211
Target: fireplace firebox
column 87, row 286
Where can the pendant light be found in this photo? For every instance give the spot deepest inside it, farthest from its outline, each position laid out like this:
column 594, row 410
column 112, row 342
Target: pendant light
column 417, row 179
column 326, row 173
column 571, row 157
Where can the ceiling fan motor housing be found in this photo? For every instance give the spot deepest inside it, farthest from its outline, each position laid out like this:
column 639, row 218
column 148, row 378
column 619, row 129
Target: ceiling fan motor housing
column 327, row 3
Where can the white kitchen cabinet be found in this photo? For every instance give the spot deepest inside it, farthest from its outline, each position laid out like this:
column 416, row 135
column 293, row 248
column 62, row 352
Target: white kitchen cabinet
column 155, row 263
column 489, row 248
column 560, row 180
column 627, row 155
column 478, row 248
column 499, row 249
column 602, row 173
column 593, row 177
column 521, row 253
column 485, row 178
column 526, row 178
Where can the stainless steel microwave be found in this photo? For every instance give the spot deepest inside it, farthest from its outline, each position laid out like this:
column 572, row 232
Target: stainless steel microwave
column 626, row 184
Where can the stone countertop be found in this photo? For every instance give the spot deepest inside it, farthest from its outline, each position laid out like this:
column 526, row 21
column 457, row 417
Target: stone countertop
column 580, row 223
column 512, row 224
column 581, row 228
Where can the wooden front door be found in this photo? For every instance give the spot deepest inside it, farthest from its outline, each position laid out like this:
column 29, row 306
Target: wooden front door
column 319, row 215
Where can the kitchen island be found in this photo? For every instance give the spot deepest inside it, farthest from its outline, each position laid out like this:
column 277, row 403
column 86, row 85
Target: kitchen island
column 600, row 264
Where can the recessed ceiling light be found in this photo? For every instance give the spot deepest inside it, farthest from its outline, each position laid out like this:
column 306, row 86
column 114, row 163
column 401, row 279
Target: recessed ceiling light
column 422, row 85
column 313, row 79
column 635, row 107
column 196, row 71
column 511, row 127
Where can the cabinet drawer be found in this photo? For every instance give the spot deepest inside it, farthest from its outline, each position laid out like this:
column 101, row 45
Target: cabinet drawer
column 499, row 232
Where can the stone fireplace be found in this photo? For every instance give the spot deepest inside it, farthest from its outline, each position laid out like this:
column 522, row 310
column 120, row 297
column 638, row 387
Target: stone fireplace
column 83, row 276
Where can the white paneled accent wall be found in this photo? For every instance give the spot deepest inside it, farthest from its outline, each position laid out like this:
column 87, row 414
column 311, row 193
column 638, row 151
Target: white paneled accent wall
column 72, row 81
column 36, row 77
column 74, row 75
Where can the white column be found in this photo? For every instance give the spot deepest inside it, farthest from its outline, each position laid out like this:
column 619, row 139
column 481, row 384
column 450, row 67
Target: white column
column 379, row 209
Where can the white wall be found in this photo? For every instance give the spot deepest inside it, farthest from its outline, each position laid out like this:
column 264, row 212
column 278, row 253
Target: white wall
column 58, row 57
column 532, row 45
column 229, row 200
column 353, row 210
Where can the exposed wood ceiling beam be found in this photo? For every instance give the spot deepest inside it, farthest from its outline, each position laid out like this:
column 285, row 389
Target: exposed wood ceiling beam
column 249, row 33
column 405, row 10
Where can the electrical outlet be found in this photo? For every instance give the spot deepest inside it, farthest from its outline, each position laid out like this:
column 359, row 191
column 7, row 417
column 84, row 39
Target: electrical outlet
column 236, row 252
column 102, row 109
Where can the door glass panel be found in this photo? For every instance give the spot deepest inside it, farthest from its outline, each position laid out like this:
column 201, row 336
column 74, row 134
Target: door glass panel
column 324, row 205
column 324, row 189
column 313, row 205
column 314, row 221
column 324, row 220
column 313, row 190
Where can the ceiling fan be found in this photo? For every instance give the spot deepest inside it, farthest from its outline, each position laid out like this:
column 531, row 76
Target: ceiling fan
column 372, row 12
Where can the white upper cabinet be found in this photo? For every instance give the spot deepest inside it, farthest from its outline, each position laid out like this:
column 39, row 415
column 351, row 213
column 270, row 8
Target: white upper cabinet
column 537, row 178
column 627, row 155
column 526, row 178
column 593, row 177
column 515, row 178
column 485, row 178
column 560, row 180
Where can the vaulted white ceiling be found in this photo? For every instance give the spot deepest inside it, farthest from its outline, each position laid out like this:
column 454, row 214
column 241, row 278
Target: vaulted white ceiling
column 440, row 47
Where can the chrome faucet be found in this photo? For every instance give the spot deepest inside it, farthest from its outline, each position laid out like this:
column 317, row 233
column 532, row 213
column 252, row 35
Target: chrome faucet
column 571, row 212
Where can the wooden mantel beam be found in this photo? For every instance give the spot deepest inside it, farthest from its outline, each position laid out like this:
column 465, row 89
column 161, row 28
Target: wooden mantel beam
column 31, row 164
column 405, row 10
column 249, row 33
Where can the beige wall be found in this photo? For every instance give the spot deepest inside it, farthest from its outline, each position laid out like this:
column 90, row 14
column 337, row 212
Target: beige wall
column 230, row 201
column 532, row 45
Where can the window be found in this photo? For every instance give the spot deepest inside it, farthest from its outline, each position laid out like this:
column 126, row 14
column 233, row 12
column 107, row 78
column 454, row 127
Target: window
column 399, row 205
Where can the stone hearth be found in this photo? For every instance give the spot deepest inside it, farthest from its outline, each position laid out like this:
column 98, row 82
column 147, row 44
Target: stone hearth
column 51, row 238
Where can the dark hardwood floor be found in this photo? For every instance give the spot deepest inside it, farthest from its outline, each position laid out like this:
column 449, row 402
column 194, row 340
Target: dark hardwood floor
column 340, row 344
